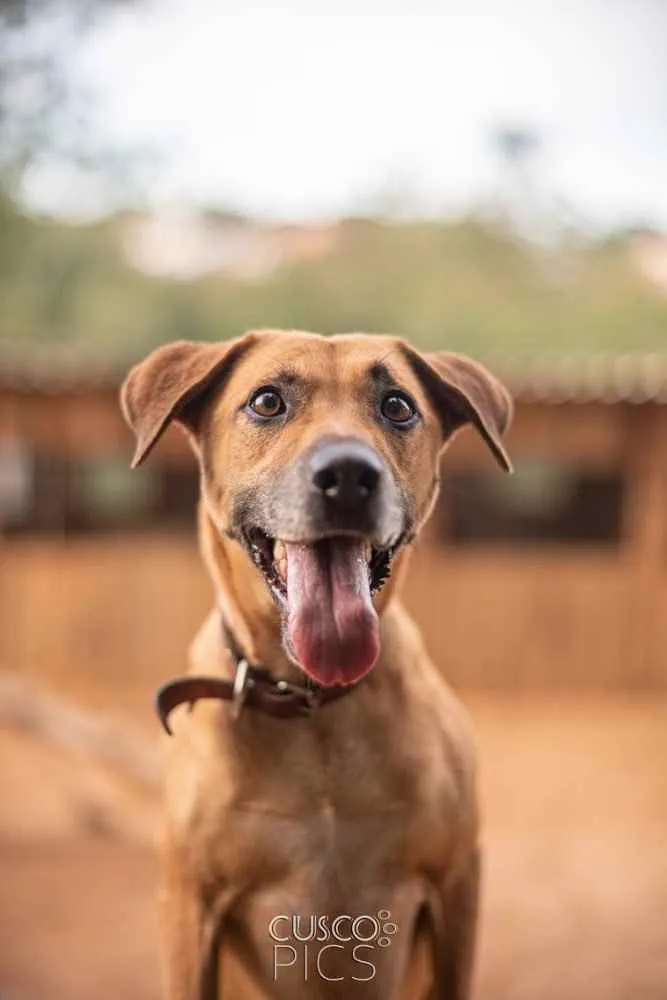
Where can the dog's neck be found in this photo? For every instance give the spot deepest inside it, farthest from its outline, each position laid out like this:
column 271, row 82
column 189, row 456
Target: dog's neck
column 246, row 606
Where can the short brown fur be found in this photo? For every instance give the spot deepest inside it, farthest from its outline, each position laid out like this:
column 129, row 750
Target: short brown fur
column 369, row 804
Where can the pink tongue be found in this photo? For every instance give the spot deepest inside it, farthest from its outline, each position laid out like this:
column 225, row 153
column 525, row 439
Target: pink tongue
column 332, row 624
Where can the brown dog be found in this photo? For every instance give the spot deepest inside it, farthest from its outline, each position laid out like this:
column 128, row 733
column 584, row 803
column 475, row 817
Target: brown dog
column 326, row 852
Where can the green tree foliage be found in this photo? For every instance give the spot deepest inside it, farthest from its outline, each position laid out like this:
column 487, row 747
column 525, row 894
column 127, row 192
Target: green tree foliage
column 467, row 285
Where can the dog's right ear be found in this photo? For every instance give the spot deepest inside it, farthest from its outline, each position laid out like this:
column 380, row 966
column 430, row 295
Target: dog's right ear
column 168, row 384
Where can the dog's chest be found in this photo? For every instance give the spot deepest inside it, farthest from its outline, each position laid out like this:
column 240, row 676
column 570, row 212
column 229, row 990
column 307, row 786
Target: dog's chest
column 306, row 807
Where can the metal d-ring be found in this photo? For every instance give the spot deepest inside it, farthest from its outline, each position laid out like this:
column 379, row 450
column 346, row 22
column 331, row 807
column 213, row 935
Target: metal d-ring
column 240, row 689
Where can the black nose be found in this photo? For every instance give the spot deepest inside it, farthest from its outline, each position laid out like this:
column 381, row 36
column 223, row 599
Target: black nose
column 346, row 472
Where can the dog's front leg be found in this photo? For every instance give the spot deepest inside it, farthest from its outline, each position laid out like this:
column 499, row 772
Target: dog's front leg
column 451, row 912
column 184, row 923
column 182, row 920
column 192, row 932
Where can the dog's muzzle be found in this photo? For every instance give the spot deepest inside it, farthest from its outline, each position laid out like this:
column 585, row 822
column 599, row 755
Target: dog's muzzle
column 323, row 534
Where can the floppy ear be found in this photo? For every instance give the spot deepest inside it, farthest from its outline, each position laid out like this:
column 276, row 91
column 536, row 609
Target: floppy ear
column 166, row 385
column 463, row 391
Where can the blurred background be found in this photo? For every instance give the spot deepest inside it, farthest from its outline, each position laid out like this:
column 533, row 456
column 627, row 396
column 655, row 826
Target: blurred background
column 488, row 177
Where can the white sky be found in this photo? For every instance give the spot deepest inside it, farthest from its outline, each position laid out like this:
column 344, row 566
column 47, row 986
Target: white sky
column 309, row 108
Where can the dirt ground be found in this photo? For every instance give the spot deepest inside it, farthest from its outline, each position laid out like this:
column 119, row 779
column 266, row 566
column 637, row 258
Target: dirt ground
column 575, row 890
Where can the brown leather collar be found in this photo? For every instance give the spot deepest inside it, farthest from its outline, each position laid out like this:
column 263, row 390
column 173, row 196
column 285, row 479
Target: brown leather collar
column 251, row 687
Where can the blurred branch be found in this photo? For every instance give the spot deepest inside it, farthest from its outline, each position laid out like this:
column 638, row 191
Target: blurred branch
column 109, row 740
column 42, row 113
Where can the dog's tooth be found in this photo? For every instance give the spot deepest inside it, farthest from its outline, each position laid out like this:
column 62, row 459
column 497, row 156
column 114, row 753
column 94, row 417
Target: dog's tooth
column 279, row 551
column 368, row 551
column 280, row 558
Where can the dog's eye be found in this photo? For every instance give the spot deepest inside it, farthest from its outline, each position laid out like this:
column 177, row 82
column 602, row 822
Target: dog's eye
column 267, row 402
column 398, row 408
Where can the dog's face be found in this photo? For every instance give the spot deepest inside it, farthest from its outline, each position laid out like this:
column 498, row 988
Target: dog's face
column 320, row 457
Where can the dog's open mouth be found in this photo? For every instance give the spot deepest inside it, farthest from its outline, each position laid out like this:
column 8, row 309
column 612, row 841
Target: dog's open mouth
column 325, row 589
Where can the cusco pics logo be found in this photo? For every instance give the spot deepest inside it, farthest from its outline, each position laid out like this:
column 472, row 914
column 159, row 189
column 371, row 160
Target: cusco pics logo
column 305, row 943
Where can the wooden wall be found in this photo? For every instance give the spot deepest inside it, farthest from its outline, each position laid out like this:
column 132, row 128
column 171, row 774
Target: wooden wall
column 127, row 606
column 558, row 616
column 93, row 609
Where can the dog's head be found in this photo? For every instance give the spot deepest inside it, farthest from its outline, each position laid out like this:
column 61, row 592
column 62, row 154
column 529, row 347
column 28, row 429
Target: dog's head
column 319, row 456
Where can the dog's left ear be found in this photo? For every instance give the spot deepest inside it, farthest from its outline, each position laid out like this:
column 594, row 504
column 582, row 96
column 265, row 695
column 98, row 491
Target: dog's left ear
column 171, row 383
column 464, row 391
